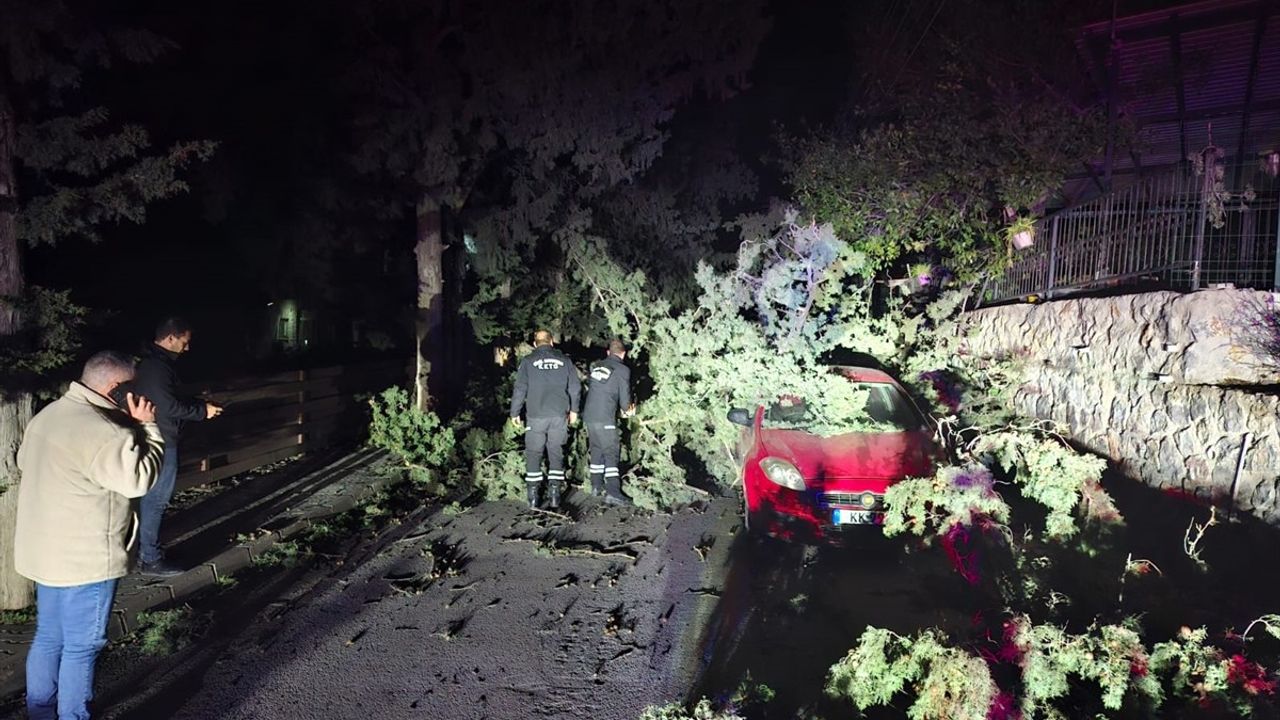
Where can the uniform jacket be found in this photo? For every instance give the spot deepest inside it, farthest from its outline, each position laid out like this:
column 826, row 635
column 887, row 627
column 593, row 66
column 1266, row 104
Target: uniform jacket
column 547, row 385
column 157, row 381
column 608, row 391
column 81, row 460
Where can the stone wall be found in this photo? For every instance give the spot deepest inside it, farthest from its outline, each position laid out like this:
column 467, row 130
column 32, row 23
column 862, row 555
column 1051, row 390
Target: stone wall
column 1167, row 385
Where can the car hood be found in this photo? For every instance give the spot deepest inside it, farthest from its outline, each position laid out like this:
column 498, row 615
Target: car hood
column 888, row 455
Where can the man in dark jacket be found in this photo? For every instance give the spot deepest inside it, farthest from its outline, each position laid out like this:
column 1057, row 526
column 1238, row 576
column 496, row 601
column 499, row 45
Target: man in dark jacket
column 157, row 380
column 548, row 390
column 608, row 397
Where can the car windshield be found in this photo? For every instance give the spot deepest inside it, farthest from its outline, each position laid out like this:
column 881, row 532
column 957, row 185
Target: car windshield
column 886, row 410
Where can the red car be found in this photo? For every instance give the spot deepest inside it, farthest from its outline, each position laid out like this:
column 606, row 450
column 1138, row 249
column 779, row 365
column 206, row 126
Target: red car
column 798, row 485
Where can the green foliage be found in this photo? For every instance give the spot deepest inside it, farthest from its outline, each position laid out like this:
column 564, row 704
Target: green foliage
column 425, row 445
column 49, row 337
column 758, row 331
column 80, row 170
column 748, row 694
column 578, row 104
column 1198, row 670
column 702, row 710
column 282, row 554
column 1049, row 472
column 926, row 184
column 755, row 331
column 25, row 616
column 63, row 211
column 940, row 150
column 373, row 510
column 1112, row 656
column 948, row 684
column 1045, row 470
column 751, row 693
column 953, row 496
column 496, row 461
column 1194, row 664
column 77, row 172
column 164, row 632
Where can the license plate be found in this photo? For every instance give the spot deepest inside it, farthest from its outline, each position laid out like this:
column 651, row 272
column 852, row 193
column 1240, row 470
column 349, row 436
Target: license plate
column 842, row 516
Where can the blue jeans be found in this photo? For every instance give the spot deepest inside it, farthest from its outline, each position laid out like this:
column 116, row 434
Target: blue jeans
column 71, row 627
column 151, row 509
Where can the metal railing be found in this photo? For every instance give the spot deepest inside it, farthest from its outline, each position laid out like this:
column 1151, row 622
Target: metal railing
column 1175, row 230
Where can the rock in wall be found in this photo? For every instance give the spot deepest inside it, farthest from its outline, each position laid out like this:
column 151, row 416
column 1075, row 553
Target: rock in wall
column 1171, row 387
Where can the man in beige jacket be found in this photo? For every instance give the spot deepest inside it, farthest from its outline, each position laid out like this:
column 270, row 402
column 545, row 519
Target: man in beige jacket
column 81, row 460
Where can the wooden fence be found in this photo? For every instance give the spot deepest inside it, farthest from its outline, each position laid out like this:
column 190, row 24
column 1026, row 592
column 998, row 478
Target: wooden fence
column 273, row 417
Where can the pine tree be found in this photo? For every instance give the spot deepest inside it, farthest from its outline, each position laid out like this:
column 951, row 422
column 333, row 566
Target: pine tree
column 78, row 172
column 510, row 112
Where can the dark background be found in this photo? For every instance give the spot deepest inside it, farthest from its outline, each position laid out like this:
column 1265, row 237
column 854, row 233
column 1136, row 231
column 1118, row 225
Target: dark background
column 277, row 212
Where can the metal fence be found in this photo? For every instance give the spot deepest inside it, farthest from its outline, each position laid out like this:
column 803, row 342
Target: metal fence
column 1176, row 230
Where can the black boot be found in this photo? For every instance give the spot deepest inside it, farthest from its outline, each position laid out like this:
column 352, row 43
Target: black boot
column 613, row 492
column 553, row 496
column 619, row 499
column 531, row 494
column 597, row 487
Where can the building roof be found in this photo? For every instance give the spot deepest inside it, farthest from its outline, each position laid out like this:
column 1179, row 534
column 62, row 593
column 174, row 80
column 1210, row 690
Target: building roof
column 1186, row 71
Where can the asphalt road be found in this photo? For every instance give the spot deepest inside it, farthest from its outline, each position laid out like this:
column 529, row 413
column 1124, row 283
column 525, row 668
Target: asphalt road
column 497, row 612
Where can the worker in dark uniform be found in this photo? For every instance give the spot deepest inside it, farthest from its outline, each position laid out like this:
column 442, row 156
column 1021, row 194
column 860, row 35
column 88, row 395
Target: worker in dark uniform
column 548, row 390
column 608, row 397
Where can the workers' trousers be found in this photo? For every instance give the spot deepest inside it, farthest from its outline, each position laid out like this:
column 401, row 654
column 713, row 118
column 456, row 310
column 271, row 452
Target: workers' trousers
column 545, row 435
column 606, row 450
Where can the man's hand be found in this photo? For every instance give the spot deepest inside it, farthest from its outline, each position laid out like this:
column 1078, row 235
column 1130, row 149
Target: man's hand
column 211, row 411
column 517, row 421
column 140, row 408
column 631, row 411
column 573, row 418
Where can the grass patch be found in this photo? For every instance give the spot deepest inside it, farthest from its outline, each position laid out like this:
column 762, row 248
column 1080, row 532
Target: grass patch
column 287, row 553
column 25, row 616
column 454, row 509
column 164, row 632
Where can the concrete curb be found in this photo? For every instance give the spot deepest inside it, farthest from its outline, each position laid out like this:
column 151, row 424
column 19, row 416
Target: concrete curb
column 124, row 613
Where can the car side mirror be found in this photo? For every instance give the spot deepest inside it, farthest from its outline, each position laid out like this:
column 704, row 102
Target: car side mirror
column 740, row 416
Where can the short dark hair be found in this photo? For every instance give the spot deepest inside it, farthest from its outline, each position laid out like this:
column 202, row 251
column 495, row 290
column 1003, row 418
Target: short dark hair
column 105, row 366
column 616, row 347
column 172, row 325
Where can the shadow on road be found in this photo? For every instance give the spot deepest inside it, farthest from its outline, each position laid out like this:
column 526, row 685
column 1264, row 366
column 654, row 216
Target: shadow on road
column 787, row 612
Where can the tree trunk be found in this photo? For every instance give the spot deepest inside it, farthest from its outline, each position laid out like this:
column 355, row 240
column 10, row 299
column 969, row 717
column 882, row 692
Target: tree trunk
column 16, row 592
column 429, row 252
column 15, row 405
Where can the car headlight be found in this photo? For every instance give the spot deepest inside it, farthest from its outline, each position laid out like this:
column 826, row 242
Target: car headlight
column 781, row 472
